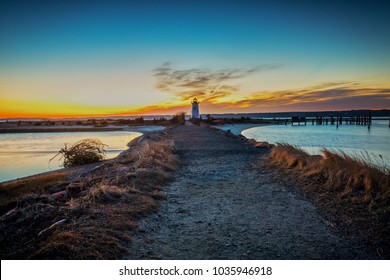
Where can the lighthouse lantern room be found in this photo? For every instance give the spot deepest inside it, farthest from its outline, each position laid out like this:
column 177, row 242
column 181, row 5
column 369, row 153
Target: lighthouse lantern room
column 195, row 108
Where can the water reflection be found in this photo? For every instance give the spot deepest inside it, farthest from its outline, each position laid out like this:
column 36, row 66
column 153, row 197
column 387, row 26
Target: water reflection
column 24, row 154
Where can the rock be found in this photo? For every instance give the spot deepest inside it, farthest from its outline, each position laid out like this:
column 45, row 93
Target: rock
column 251, row 142
column 135, row 141
column 152, row 135
column 262, row 145
column 74, row 188
column 10, row 214
column 229, row 133
column 58, row 195
column 58, row 188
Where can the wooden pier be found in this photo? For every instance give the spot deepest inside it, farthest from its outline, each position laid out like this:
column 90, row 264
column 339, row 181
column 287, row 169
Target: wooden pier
column 298, row 120
column 361, row 120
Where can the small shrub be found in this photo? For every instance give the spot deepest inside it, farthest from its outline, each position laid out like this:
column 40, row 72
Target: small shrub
column 179, row 118
column 139, row 120
column 91, row 122
column 82, row 152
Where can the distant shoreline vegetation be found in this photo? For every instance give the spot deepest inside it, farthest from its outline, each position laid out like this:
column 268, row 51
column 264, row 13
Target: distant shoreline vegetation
column 135, row 119
column 80, row 125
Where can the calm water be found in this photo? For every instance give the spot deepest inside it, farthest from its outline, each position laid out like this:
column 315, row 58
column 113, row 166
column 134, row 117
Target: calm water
column 373, row 144
column 24, row 154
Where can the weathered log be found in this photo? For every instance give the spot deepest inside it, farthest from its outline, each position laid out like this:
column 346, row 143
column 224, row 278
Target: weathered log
column 60, row 222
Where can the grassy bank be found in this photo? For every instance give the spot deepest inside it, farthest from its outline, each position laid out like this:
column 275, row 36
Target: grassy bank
column 91, row 217
column 58, row 129
column 355, row 192
column 13, row 191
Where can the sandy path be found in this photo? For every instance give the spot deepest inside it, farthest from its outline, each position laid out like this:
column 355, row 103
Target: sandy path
column 220, row 206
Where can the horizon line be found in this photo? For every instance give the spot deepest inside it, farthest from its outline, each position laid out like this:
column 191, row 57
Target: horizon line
column 155, row 115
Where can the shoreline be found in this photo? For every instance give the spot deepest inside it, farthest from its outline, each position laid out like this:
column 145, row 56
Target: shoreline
column 58, row 129
column 33, row 129
column 62, row 207
column 376, row 155
column 141, row 129
column 172, row 185
column 241, row 127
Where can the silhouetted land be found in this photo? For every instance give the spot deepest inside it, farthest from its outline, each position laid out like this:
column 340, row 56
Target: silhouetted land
column 79, row 125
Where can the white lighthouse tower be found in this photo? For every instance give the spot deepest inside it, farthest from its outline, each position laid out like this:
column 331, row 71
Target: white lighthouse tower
column 195, row 109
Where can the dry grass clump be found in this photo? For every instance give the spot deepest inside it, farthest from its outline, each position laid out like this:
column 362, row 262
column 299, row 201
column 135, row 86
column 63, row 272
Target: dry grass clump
column 13, row 191
column 347, row 186
column 68, row 244
column 93, row 217
column 292, row 156
column 104, row 194
column 335, row 171
column 155, row 154
column 82, row 152
column 357, row 174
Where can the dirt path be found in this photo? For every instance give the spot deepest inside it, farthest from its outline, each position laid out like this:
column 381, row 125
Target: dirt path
column 220, row 206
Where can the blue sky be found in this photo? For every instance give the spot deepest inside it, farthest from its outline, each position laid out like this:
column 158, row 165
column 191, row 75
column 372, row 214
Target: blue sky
column 100, row 57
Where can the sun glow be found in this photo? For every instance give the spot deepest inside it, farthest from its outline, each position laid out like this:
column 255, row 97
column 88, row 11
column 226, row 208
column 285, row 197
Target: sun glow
column 105, row 59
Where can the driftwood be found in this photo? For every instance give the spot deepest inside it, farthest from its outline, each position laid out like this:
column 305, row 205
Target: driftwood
column 10, row 214
column 60, row 222
column 58, row 195
column 66, row 191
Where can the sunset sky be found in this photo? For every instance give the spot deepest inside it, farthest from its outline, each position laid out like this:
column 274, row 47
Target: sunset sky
column 93, row 58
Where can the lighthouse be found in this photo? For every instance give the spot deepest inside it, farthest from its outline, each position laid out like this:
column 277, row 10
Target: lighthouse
column 195, row 109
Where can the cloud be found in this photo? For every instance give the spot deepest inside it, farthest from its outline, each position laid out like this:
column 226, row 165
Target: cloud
column 319, row 93
column 218, row 92
column 207, row 84
column 322, row 97
column 330, row 96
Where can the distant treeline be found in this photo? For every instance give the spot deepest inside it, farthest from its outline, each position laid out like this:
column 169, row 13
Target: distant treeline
column 163, row 118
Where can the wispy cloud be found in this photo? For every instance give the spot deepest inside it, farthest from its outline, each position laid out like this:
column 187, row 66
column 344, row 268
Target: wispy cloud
column 329, row 96
column 318, row 93
column 210, row 85
column 218, row 92
column 322, row 97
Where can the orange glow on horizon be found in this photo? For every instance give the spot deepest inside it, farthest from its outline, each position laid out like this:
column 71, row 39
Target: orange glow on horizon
column 34, row 109
column 324, row 97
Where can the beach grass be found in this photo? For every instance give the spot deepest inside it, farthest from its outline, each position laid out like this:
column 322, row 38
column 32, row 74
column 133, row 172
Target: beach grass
column 352, row 189
column 94, row 216
column 336, row 171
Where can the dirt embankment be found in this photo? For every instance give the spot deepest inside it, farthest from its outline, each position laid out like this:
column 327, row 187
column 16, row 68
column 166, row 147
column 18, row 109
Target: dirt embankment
column 89, row 212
